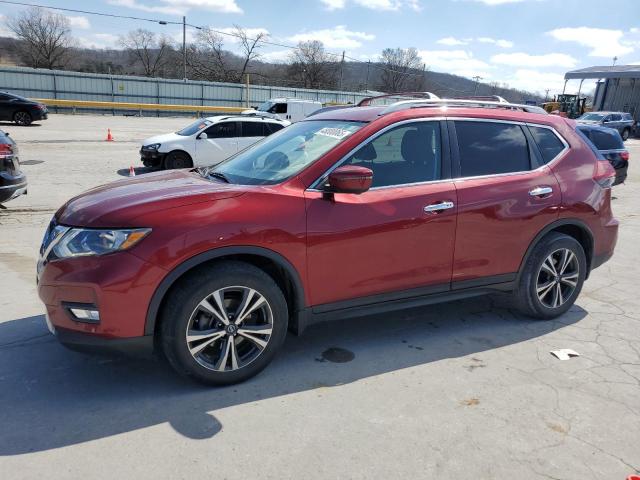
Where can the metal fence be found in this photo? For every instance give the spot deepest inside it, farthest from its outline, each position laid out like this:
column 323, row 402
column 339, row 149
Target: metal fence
column 64, row 85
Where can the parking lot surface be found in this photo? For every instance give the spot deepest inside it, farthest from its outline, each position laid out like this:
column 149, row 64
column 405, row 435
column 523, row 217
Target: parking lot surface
column 466, row 389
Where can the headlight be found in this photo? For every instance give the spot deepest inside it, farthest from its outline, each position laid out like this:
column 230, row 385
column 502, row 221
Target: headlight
column 80, row 242
column 154, row 146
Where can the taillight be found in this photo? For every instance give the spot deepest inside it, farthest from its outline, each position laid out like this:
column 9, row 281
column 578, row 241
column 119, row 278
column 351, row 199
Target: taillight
column 40, row 106
column 605, row 174
column 624, row 155
column 6, row 148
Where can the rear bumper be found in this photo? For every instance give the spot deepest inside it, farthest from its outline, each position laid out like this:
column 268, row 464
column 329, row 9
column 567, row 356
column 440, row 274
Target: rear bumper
column 621, row 173
column 12, row 186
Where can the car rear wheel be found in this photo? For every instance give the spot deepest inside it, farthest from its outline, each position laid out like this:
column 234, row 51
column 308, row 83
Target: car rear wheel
column 552, row 277
column 625, row 134
column 22, row 118
column 175, row 160
column 225, row 324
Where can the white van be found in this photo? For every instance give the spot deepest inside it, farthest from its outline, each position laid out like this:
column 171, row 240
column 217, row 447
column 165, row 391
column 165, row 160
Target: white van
column 291, row 109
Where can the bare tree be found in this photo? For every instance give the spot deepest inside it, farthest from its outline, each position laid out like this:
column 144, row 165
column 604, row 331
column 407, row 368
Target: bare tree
column 249, row 47
column 147, row 49
column 401, row 66
column 45, row 38
column 207, row 59
column 311, row 66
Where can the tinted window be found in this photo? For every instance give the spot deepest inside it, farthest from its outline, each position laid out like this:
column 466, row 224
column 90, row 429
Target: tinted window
column 487, row 148
column 584, row 134
column 604, row 140
column 616, row 117
column 627, row 116
column 222, row 130
column 279, row 108
column 272, row 128
column 548, row 143
column 252, row 129
column 406, row 154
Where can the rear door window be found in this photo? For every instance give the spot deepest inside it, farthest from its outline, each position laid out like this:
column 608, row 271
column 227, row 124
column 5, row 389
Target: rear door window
column 489, row 148
column 548, row 143
column 272, row 128
column 253, row 129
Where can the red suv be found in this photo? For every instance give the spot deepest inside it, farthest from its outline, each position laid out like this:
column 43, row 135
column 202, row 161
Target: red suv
column 350, row 212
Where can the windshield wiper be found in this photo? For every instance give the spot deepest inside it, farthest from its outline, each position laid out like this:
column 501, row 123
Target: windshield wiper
column 220, row 176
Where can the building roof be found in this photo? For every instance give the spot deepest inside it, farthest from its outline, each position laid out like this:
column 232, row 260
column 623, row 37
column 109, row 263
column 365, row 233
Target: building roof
column 611, row 71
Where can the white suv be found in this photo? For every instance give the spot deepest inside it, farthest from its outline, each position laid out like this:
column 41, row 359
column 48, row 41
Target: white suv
column 207, row 142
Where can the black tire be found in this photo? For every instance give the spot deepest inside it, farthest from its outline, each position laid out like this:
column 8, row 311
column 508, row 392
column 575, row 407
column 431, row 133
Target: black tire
column 534, row 275
column 177, row 159
column 625, row 134
column 180, row 308
column 22, row 118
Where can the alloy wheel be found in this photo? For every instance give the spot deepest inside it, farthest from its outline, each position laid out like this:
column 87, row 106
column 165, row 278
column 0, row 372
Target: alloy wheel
column 229, row 328
column 557, row 278
column 22, row 118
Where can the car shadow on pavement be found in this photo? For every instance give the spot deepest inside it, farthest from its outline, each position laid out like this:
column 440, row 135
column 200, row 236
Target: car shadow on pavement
column 125, row 172
column 51, row 397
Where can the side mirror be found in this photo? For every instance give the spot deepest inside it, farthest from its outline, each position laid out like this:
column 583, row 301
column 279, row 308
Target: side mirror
column 350, row 179
column 203, row 136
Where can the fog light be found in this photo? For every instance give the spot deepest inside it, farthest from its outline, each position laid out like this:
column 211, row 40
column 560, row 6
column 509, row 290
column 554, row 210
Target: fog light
column 85, row 315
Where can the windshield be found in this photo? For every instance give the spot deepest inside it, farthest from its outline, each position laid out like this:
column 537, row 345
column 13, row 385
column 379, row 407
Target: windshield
column 595, row 117
column 194, row 127
column 284, row 153
column 264, row 107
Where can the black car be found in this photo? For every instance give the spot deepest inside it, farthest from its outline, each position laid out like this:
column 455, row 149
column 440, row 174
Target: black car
column 21, row 110
column 13, row 182
column 610, row 145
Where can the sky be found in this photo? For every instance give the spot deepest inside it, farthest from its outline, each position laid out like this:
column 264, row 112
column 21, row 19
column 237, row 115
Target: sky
column 527, row 44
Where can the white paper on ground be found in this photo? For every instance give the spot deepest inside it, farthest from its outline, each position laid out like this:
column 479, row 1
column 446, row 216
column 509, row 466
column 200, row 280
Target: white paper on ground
column 564, row 353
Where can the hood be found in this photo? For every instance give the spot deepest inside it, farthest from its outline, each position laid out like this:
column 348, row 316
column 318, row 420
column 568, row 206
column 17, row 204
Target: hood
column 120, row 203
column 166, row 137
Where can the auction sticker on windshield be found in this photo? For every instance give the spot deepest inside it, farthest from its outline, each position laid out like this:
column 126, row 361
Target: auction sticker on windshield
column 333, row 132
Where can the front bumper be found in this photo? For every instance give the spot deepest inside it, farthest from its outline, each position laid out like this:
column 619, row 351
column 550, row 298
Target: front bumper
column 152, row 158
column 87, row 343
column 119, row 286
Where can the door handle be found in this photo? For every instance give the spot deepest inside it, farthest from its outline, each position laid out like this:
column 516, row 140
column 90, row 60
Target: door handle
column 438, row 207
column 544, row 191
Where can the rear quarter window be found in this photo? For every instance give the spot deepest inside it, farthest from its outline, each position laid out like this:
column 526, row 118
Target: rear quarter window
column 548, row 143
column 489, row 148
column 606, row 140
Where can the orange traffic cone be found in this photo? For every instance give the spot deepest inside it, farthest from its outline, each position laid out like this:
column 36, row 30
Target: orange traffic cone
column 109, row 136
column 132, row 172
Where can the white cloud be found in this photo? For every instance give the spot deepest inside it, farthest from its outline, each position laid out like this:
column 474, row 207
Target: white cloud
column 334, row 4
column 337, row 37
column 498, row 2
column 521, row 59
column 276, row 56
column 535, row 81
column 180, row 7
column 79, row 22
column 452, row 41
column 99, row 40
column 498, row 42
column 4, row 31
column 457, row 62
column 601, row 41
column 381, row 5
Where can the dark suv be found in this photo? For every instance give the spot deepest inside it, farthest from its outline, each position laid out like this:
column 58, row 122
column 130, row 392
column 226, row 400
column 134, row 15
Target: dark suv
column 13, row 182
column 350, row 212
column 21, row 110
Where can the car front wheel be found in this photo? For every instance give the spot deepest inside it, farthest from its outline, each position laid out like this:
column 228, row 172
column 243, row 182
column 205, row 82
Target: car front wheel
column 175, row 160
column 625, row 134
column 552, row 277
column 224, row 324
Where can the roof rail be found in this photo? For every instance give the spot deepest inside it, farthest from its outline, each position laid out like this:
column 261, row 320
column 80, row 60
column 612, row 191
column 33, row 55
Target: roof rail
column 486, row 98
column 365, row 102
column 452, row 102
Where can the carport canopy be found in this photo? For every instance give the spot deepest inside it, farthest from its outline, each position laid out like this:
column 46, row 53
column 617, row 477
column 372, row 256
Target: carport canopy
column 615, row 71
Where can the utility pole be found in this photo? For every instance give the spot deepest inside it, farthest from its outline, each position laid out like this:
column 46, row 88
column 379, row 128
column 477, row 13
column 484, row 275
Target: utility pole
column 615, row 59
column 247, row 95
column 546, row 94
column 477, row 78
column 341, row 70
column 184, row 46
column 366, row 83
